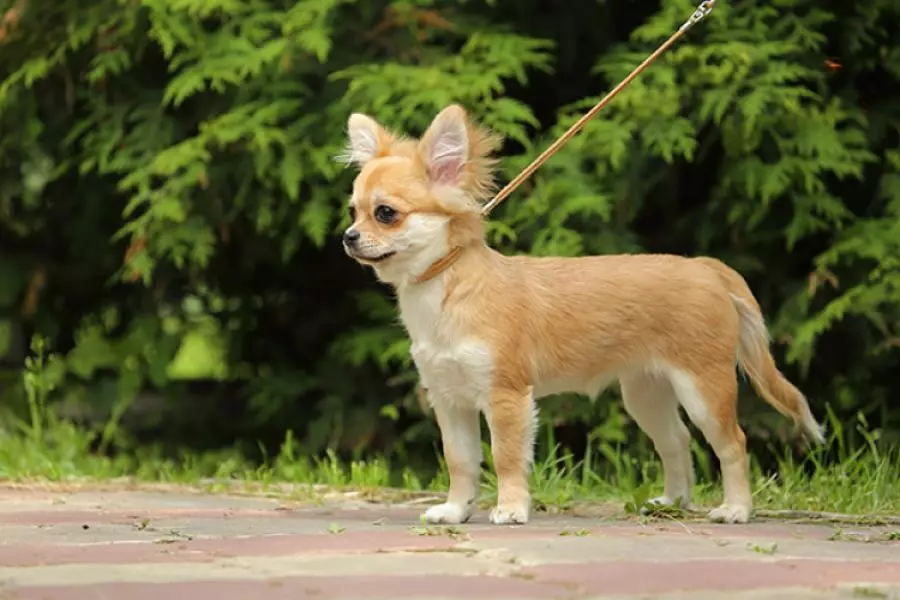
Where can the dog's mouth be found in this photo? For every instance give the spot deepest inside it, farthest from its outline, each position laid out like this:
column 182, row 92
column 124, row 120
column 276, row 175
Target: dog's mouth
column 375, row 259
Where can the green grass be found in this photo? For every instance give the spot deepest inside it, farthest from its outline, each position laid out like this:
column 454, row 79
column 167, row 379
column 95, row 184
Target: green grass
column 834, row 478
column 865, row 481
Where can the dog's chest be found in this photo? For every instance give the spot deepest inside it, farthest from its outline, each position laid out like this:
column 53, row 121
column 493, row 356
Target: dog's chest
column 453, row 365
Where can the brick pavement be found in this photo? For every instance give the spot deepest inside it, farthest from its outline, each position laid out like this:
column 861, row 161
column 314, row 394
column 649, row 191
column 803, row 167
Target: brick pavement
column 136, row 545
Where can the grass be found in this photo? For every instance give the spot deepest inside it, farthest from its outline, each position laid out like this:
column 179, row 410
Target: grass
column 834, row 478
column 863, row 482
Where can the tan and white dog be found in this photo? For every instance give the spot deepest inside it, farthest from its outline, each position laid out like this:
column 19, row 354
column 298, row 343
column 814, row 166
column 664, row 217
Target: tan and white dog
column 491, row 333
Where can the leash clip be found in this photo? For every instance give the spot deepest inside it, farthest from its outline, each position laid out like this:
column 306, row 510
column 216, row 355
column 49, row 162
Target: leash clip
column 701, row 13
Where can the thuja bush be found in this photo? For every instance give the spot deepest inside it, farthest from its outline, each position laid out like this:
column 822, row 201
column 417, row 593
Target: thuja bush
column 169, row 202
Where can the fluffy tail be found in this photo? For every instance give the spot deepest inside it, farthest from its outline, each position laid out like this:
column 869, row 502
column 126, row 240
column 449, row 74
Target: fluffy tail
column 755, row 359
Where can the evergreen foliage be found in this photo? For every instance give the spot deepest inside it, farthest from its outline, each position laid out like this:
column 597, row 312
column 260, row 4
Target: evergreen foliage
column 170, row 206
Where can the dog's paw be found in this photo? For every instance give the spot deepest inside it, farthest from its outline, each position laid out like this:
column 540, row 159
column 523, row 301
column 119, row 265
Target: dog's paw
column 730, row 513
column 509, row 515
column 448, row 514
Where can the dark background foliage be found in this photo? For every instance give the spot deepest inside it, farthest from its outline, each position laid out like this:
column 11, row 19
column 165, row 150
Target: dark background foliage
column 170, row 209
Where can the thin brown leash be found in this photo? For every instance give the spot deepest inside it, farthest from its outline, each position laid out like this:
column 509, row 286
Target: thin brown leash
column 700, row 13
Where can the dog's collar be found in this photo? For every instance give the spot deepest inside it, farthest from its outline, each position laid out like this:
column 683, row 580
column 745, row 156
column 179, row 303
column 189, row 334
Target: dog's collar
column 440, row 265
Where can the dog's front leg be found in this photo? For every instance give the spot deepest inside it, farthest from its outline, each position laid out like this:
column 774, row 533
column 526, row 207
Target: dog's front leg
column 461, row 439
column 512, row 424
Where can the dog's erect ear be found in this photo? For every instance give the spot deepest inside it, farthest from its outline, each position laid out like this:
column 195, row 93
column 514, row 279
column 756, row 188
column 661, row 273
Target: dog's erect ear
column 445, row 146
column 366, row 140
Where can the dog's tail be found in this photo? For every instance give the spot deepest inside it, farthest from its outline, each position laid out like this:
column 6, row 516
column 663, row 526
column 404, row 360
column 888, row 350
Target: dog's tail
column 755, row 359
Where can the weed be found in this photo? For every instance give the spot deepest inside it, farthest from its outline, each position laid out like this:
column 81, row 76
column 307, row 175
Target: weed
column 454, row 533
column 335, row 529
column 577, row 532
column 172, row 536
column 865, row 537
column 760, row 549
column 839, row 536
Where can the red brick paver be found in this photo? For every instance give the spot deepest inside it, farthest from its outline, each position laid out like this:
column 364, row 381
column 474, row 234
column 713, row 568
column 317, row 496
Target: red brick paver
column 133, row 545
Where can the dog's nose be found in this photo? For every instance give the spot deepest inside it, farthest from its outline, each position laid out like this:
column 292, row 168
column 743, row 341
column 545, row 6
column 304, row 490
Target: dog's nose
column 351, row 236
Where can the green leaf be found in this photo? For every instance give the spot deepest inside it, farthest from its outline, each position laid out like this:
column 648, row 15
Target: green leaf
column 201, row 355
column 315, row 218
column 291, row 172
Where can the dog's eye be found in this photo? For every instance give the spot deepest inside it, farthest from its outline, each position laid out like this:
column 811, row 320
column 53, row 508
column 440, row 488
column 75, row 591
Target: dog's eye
column 385, row 214
column 352, row 211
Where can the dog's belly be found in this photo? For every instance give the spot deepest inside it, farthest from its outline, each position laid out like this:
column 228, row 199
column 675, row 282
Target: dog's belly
column 576, row 385
column 458, row 374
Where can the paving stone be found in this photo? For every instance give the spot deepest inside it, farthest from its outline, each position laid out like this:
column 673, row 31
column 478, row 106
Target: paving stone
column 135, row 544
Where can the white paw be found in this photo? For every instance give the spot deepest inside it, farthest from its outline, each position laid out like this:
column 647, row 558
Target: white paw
column 730, row 513
column 448, row 514
column 509, row 515
column 663, row 501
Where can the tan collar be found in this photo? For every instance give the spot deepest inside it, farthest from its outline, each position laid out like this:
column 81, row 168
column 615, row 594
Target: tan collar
column 440, row 265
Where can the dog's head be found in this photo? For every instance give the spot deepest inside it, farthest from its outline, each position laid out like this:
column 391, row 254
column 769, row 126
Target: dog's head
column 415, row 199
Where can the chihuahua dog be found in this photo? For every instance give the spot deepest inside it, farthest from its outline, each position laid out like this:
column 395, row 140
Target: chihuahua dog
column 491, row 333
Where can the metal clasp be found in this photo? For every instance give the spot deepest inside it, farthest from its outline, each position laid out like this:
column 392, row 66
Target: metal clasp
column 702, row 11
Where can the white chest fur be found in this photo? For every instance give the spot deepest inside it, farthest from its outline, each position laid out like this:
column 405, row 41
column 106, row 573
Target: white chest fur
column 453, row 366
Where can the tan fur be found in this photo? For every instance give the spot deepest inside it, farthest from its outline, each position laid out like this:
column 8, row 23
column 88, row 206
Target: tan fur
column 756, row 360
column 671, row 329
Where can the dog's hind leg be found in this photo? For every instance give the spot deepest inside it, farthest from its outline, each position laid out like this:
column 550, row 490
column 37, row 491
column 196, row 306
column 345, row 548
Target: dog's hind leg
column 709, row 397
column 652, row 403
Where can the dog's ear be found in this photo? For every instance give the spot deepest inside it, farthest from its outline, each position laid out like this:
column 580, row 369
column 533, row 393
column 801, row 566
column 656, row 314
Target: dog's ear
column 366, row 139
column 445, row 146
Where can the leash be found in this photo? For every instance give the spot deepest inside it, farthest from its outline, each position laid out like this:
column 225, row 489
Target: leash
column 702, row 10
column 700, row 13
